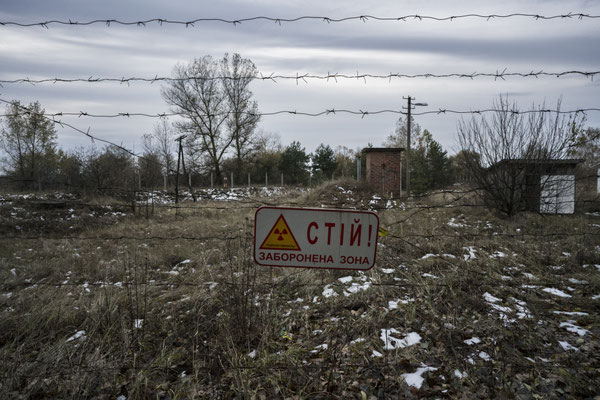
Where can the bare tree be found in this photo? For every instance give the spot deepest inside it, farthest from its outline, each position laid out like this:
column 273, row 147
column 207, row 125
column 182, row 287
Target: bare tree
column 506, row 154
column 28, row 138
column 196, row 95
column 161, row 143
column 215, row 101
column 243, row 115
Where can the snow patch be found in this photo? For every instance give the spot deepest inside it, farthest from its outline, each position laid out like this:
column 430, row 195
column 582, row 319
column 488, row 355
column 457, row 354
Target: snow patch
column 459, row 374
column 556, row 292
column 329, row 292
column 472, row 341
column 392, row 343
column 416, row 378
column 77, row 335
column 569, row 326
column 471, row 256
column 571, row 313
column 376, row 354
column 489, row 298
column 319, row 348
column 566, row 346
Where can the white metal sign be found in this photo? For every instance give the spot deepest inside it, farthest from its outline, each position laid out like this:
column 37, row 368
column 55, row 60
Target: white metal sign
column 315, row 238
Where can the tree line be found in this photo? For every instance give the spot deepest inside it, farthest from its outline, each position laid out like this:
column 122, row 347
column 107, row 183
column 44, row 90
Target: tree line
column 218, row 131
column 33, row 159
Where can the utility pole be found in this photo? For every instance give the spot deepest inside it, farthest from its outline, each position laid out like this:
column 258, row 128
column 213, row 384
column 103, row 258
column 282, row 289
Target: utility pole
column 177, row 174
column 408, row 131
column 181, row 157
column 408, row 147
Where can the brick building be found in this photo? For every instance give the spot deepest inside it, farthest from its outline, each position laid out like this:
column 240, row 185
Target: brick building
column 384, row 169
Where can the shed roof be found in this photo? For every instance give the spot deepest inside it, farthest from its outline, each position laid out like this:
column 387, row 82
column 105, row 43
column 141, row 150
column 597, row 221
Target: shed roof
column 548, row 162
column 383, row 149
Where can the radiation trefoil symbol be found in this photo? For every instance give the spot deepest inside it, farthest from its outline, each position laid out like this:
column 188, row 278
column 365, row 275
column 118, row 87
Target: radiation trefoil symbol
column 280, row 237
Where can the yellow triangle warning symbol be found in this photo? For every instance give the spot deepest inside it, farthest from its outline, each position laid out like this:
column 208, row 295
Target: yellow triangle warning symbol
column 280, row 237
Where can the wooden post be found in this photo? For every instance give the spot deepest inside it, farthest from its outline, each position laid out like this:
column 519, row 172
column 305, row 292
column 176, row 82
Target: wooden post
column 183, row 164
column 266, row 179
column 282, row 179
column 177, row 174
column 408, row 147
column 211, row 180
column 232, row 180
column 165, row 182
column 248, row 179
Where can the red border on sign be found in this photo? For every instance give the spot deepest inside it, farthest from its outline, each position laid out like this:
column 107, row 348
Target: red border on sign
column 319, row 210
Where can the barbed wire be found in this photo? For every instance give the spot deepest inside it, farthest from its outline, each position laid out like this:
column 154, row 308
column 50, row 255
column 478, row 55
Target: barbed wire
column 280, row 21
column 308, row 76
column 331, row 111
column 379, row 362
column 286, row 283
column 428, row 236
column 87, row 133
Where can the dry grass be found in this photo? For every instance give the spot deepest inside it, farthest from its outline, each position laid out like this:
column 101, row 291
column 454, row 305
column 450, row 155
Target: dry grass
column 193, row 317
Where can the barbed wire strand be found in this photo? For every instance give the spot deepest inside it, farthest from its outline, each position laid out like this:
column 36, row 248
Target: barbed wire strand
column 331, row 111
column 281, row 21
column 272, row 77
column 87, row 133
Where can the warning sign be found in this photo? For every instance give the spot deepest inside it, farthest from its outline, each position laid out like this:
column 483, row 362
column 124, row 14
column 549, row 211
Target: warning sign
column 315, row 238
column 280, row 237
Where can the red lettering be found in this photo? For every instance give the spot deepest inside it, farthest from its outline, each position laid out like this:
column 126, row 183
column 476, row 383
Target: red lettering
column 330, row 259
column 342, row 235
column 269, row 256
column 366, row 261
column 329, row 225
column 354, row 235
column 310, row 226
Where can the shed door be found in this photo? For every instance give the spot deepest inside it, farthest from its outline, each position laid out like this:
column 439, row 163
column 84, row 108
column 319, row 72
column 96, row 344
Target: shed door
column 557, row 194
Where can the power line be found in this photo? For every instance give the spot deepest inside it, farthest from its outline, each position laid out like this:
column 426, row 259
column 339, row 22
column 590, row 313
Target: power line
column 273, row 77
column 280, row 21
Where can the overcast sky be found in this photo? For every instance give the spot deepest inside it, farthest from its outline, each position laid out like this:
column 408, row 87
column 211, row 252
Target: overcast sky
column 310, row 46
